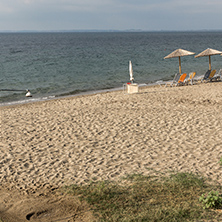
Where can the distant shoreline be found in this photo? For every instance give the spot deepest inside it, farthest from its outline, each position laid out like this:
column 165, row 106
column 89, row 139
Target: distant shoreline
column 106, row 31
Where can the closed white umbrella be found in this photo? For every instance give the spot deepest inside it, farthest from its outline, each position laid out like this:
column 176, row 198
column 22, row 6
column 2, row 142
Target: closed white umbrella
column 131, row 71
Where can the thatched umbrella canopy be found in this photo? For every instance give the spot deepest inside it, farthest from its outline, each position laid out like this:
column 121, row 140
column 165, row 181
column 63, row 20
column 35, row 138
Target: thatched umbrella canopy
column 179, row 53
column 209, row 52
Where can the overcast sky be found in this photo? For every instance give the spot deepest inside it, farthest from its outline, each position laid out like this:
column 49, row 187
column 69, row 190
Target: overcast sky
column 148, row 15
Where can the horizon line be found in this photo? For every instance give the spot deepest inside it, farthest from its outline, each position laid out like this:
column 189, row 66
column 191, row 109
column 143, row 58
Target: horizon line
column 106, row 30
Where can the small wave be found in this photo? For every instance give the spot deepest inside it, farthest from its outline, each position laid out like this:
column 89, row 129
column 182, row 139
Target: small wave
column 28, row 100
column 71, row 93
column 13, row 51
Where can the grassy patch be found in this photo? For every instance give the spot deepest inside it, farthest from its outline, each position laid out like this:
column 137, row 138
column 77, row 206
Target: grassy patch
column 175, row 198
column 220, row 161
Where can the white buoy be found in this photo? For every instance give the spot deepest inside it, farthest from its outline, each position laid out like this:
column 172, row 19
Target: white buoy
column 28, row 94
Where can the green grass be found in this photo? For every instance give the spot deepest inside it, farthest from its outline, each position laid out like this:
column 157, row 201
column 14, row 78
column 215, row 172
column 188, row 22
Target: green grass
column 141, row 198
column 220, row 161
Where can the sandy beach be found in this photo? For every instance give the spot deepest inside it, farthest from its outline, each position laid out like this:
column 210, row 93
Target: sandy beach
column 46, row 145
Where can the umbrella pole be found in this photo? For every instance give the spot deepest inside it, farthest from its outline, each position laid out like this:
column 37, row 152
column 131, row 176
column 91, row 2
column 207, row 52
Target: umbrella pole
column 209, row 63
column 179, row 65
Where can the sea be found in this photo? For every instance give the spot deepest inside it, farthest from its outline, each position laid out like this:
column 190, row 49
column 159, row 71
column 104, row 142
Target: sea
column 60, row 64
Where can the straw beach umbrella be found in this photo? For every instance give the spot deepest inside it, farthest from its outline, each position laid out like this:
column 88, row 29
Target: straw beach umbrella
column 209, row 52
column 179, row 53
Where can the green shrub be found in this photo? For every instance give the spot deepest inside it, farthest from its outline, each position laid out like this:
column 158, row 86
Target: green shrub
column 212, row 200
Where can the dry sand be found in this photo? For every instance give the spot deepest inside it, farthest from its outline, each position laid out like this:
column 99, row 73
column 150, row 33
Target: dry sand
column 45, row 145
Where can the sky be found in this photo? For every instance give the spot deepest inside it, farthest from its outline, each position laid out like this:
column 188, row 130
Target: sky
column 147, row 15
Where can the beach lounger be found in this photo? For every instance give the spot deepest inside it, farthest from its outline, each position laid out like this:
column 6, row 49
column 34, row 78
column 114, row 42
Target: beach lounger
column 220, row 74
column 175, row 80
column 217, row 76
column 190, row 78
column 206, row 76
column 210, row 77
column 181, row 80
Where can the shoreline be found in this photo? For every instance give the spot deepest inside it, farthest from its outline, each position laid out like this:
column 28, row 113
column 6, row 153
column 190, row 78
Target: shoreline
column 106, row 136
column 33, row 99
column 52, row 97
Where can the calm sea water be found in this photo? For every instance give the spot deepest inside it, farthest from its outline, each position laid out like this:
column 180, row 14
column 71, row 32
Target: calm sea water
column 55, row 64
